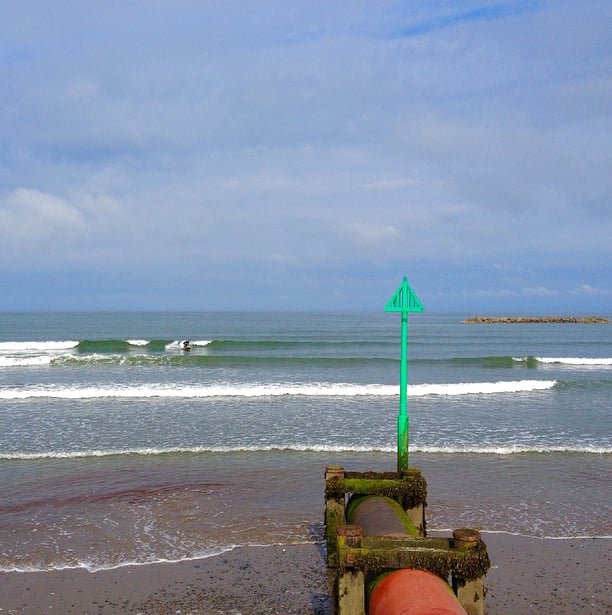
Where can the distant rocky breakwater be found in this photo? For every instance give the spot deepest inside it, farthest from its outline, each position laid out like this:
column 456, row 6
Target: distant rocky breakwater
column 534, row 319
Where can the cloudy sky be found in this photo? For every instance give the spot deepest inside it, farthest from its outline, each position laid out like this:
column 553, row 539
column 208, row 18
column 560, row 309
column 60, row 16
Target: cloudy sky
column 194, row 154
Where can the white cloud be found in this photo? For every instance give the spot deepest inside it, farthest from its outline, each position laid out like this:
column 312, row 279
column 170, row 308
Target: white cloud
column 587, row 289
column 29, row 215
column 85, row 226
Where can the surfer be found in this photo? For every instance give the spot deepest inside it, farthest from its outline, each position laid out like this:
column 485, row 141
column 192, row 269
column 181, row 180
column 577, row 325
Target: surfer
column 187, row 345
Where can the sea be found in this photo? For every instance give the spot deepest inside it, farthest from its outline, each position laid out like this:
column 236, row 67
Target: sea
column 118, row 447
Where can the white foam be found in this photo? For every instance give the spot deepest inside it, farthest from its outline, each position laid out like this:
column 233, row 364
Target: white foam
column 513, row 449
column 314, row 448
column 273, row 390
column 189, row 450
column 191, row 391
column 436, row 531
column 44, row 346
column 93, row 567
column 25, row 361
column 575, row 360
column 471, row 388
column 137, row 342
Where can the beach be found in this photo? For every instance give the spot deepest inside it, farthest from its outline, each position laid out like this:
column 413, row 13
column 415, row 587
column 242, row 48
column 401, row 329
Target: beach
column 528, row 575
column 138, row 478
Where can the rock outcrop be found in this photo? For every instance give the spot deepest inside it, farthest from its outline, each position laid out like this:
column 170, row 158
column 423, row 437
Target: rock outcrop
column 534, row 319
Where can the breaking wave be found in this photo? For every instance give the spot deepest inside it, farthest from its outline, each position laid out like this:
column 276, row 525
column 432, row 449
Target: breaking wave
column 273, row 390
column 312, row 448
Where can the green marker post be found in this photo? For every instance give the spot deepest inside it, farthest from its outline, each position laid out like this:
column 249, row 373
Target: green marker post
column 404, row 300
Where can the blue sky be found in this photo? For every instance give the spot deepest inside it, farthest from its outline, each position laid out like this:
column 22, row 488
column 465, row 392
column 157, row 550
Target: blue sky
column 306, row 155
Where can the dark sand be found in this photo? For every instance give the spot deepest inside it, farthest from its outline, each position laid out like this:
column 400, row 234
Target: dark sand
column 528, row 576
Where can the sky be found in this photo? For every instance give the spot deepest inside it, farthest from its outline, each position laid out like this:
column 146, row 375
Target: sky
column 306, row 155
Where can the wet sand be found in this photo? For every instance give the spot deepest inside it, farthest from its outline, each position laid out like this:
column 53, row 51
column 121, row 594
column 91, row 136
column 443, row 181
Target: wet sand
column 528, row 576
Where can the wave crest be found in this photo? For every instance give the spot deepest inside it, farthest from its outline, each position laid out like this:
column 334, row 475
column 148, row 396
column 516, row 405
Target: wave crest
column 575, row 360
column 47, row 346
column 312, row 448
column 275, row 389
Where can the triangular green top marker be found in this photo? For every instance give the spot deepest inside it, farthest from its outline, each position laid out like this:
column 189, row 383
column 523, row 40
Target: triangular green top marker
column 404, row 300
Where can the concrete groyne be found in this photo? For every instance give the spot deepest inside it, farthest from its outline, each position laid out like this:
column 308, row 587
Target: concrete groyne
column 375, row 525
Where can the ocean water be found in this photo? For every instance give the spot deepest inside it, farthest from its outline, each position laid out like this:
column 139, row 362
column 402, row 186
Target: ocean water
column 117, row 447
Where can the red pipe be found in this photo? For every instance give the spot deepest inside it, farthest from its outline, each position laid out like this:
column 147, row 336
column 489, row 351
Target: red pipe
column 413, row 592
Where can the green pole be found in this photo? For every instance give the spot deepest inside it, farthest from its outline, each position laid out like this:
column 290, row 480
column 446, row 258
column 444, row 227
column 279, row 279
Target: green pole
column 402, row 418
column 404, row 300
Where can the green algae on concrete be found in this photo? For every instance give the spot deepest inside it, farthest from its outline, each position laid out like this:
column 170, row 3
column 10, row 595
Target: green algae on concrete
column 409, row 489
column 436, row 555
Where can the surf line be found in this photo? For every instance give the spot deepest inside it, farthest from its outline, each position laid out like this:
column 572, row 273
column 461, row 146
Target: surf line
column 277, row 389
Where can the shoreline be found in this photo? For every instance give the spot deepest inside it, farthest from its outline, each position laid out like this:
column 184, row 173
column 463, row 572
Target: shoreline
column 532, row 575
column 535, row 320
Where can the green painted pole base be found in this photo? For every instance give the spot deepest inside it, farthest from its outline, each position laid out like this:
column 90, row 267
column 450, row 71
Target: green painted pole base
column 402, row 442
